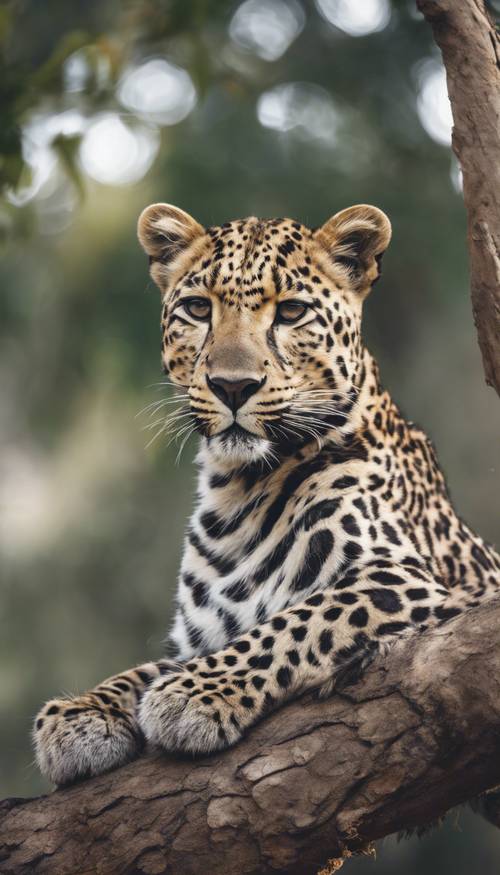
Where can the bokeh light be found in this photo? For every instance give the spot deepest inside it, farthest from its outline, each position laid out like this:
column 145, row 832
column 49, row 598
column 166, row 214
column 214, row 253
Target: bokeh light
column 267, row 27
column 38, row 134
column 76, row 72
column 300, row 107
column 356, row 18
column 158, row 91
column 116, row 153
column 433, row 103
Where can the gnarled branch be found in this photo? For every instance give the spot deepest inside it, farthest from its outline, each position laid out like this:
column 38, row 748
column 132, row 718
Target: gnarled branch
column 470, row 45
column 418, row 734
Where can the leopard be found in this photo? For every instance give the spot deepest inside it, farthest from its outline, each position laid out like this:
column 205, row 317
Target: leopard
column 323, row 529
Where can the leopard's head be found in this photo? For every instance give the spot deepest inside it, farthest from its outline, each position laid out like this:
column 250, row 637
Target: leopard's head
column 261, row 322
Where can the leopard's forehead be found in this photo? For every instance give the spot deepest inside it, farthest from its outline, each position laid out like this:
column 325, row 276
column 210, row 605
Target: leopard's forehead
column 253, row 234
column 248, row 261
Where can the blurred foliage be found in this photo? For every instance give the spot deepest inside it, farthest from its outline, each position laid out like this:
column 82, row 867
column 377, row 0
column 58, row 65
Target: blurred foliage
column 91, row 522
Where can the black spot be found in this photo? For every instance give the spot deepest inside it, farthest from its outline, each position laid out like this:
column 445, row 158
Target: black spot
column 72, row 712
column 268, row 642
column 115, row 712
column 258, row 682
column 231, row 625
column 284, row 677
column 278, row 623
column 311, row 658
column 346, row 581
column 319, row 511
column 303, row 614
column 443, row 613
column 376, row 482
column 384, row 599
column 350, row 525
column 230, row 659
column 189, row 684
column 39, row 723
column 242, row 646
column 390, row 533
column 352, row 550
column 54, row 709
column 195, row 635
column 293, row 656
column 263, row 661
column 344, row 482
column 299, row 633
column 418, row 615
column 199, row 593
column 391, row 628
column 359, row 618
column 347, row 598
column 332, row 614
column 417, row 593
column 247, row 701
column 325, row 641
column 315, row 600
column 217, row 481
column 386, row 577
column 237, row 592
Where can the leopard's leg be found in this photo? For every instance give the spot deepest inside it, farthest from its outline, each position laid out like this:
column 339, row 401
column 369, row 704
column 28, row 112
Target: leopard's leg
column 85, row 735
column 210, row 703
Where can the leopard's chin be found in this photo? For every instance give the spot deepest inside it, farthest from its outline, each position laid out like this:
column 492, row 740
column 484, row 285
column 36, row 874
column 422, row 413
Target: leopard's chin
column 237, row 445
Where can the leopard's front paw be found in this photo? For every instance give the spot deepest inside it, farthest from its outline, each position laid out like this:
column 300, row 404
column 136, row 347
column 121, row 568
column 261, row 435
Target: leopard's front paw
column 184, row 714
column 84, row 736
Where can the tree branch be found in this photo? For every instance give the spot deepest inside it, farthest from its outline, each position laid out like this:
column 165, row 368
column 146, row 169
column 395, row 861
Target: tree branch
column 470, row 45
column 416, row 736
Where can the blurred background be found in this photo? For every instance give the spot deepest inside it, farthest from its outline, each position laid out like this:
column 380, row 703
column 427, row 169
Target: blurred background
column 227, row 108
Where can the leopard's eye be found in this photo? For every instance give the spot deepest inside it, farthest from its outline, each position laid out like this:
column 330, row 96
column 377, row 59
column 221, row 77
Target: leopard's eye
column 198, row 308
column 289, row 312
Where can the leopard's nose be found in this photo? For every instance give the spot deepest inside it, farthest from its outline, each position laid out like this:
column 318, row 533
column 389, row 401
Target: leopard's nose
column 234, row 393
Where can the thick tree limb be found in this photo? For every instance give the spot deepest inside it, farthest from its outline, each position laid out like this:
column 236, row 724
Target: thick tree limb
column 470, row 45
column 418, row 734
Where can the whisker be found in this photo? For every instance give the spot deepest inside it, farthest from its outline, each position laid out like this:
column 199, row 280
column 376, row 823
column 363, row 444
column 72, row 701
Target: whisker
column 183, row 444
column 169, row 420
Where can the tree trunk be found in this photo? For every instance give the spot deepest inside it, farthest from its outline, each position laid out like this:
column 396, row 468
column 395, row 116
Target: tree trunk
column 470, row 45
column 419, row 733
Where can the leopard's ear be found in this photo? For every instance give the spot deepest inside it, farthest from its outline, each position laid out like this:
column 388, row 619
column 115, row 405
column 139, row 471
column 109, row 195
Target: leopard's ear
column 356, row 239
column 165, row 231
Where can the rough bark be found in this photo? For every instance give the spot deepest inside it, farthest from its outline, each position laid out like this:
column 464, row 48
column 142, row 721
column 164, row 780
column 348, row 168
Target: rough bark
column 419, row 733
column 470, row 45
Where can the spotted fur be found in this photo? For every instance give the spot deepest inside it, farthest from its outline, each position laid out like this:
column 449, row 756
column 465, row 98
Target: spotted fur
column 323, row 526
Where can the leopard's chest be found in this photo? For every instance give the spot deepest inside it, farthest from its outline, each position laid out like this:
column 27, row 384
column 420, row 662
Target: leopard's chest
column 241, row 567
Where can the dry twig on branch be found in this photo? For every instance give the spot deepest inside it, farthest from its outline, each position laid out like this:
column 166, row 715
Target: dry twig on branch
column 417, row 735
